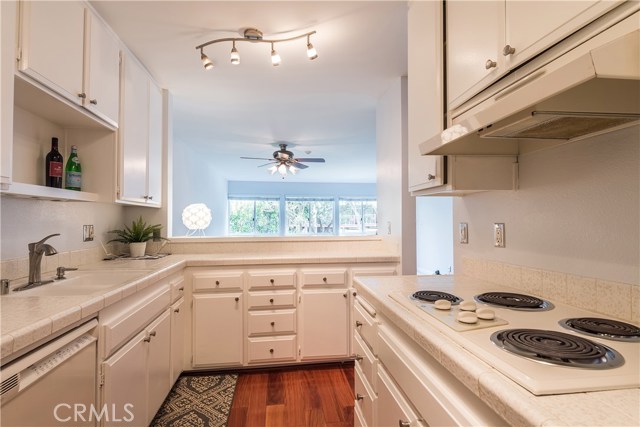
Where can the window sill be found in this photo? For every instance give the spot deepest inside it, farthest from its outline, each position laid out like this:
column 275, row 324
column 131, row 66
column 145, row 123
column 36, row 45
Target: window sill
column 248, row 239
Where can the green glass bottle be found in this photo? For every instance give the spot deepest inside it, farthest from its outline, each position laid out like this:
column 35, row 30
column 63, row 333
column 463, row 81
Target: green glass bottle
column 73, row 171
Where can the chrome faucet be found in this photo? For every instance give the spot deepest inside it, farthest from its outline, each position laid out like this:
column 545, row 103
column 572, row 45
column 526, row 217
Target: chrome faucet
column 36, row 250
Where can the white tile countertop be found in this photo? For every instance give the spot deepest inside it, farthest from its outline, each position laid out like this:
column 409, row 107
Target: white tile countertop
column 28, row 319
column 511, row 401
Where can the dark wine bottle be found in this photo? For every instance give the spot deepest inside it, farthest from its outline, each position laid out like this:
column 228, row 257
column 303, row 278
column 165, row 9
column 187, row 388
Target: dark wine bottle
column 53, row 168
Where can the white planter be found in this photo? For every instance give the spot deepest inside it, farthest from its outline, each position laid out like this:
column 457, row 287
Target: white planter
column 137, row 250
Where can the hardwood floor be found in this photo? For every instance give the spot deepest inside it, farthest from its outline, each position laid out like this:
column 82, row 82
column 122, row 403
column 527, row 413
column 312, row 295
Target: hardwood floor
column 318, row 395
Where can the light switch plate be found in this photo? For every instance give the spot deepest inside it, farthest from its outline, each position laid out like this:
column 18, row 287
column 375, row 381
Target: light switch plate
column 87, row 233
column 498, row 235
column 463, row 229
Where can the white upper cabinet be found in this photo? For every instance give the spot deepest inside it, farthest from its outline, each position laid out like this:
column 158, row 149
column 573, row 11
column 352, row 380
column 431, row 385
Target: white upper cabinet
column 487, row 39
column 66, row 48
column 425, row 91
column 140, row 137
column 102, row 84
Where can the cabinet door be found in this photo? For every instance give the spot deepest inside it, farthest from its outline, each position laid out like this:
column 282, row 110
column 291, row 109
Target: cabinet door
column 475, row 35
column 125, row 384
column 52, row 45
column 177, row 339
column 8, row 23
column 324, row 323
column 217, row 329
column 532, row 26
column 102, row 71
column 154, row 159
column 425, row 91
column 394, row 409
column 159, row 362
column 134, row 135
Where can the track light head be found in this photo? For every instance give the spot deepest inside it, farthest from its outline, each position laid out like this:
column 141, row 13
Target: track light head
column 311, row 51
column 206, row 62
column 275, row 57
column 235, row 56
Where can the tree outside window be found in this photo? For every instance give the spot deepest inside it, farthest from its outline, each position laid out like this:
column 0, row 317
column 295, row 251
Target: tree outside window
column 309, row 216
column 254, row 216
column 358, row 217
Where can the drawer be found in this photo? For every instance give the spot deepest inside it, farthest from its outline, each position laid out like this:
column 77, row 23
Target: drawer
column 272, row 349
column 366, row 360
column 285, row 298
column 212, row 280
column 365, row 397
column 177, row 288
column 366, row 326
column 271, row 279
column 358, row 417
column 334, row 277
column 397, row 411
column 271, row 322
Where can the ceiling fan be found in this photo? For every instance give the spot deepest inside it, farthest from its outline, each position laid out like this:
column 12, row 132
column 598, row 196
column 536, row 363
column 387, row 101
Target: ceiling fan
column 283, row 161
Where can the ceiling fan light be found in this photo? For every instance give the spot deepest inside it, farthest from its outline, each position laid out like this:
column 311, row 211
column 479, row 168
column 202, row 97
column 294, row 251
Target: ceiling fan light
column 275, row 58
column 311, row 52
column 293, row 170
column 235, row 56
column 206, row 62
column 282, row 169
column 273, row 169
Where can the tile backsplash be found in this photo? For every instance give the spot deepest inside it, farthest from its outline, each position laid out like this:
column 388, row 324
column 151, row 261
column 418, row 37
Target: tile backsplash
column 615, row 299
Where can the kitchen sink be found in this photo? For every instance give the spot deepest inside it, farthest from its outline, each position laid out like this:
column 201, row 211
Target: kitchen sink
column 84, row 283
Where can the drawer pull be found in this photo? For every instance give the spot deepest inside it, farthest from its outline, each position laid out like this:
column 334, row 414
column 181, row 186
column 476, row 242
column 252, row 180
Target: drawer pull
column 93, row 101
column 359, row 396
column 508, row 50
column 358, row 323
column 237, row 299
column 177, row 310
column 359, row 358
column 345, row 294
column 271, row 300
column 82, row 95
column 324, row 279
column 152, row 333
column 217, row 283
column 490, row 64
column 404, row 423
column 272, row 281
column 354, row 293
column 271, row 350
column 147, row 339
column 181, row 288
column 273, row 323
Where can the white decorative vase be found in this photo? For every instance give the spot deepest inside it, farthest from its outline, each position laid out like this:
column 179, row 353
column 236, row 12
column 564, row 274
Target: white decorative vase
column 137, row 249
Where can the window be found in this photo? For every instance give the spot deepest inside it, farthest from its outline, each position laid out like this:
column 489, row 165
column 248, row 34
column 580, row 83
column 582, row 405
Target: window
column 309, row 216
column 254, row 216
column 358, row 217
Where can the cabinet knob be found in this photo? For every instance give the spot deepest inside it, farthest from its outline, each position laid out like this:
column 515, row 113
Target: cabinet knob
column 359, row 358
column 272, row 281
column 359, row 396
column 217, row 283
column 271, row 300
column 490, row 64
column 181, row 288
column 82, row 95
column 150, row 197
column 324, row 279
column 177, row 310
column 354, row 293
column 271, row 350
column 345, row 294
column 237, row 299
column 273, row 323
column 358, row 323
column 93, row 101
column 508, row 50
column 402, row 423
column 430, row 177
column 152, row 333
column 147, row 339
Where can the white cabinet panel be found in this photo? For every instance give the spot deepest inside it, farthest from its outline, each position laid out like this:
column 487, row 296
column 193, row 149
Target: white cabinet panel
column 177, row 338
column 324, row 323
column 217, row 329
column 393, row 407
column 272, row 349
column 217, row 280
column 154, row 156
column 159, row 363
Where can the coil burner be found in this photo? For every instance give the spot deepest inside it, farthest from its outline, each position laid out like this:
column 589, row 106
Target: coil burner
column 557, row 348
column 433, row 296
column 603, row 328
column 514, row 301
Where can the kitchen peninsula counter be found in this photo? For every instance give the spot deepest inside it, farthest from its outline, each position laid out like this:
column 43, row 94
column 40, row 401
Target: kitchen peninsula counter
column 512, row 402
column 27, row 319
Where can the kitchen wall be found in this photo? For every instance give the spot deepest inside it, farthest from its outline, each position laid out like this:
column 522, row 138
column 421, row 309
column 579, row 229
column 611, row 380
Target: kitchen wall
column 577, row 211
column 396, row 208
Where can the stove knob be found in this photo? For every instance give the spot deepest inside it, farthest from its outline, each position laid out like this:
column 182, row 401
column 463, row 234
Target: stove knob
column 442, row 304
column 467, row 317
column 468, row 306
column 485, row 313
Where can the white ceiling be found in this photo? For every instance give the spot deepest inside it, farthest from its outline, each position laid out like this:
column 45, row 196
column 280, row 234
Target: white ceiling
column 325, row 106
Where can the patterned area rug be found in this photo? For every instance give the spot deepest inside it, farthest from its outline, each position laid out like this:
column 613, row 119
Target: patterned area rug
column 198, row 401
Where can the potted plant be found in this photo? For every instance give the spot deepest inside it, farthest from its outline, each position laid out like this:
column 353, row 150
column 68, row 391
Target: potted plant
column 136, row 236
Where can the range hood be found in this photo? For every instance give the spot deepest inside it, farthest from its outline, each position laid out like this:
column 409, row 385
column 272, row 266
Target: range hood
column 590, row 90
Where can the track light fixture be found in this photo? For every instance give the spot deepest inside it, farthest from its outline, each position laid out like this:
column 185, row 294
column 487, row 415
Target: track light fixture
column 253, row 35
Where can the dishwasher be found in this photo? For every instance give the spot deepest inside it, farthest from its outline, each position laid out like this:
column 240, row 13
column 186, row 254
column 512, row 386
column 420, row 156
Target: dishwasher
column 53, row 385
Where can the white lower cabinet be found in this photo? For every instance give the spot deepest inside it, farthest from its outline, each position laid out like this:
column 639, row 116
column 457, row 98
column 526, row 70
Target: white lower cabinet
column 324, row 323
column 394, row 408
column 217, row 329
column 365, row 399
column 178, row 321
column 137, row 377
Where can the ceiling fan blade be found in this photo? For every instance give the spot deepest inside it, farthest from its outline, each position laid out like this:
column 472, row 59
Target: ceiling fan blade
column 267, row 164
column 299, row 165
column 311, row 160
column 255, row 158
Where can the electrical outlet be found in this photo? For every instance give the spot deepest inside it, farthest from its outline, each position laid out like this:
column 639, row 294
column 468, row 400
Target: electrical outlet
column 463, row 229
column 87, row 233
column 498, row 235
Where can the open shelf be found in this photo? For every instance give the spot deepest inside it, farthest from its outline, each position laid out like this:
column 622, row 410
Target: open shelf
column 18, row 189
